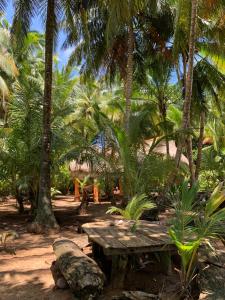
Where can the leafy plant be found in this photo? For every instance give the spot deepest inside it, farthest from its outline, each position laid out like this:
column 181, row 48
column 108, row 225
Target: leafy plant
column 8, row 235
column 83, row 182
column 55, row 192
column 194, row 226
column 134, row 209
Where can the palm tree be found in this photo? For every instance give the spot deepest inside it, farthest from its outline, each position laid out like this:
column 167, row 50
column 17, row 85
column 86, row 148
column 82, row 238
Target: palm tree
column 208, row 83
column 22, row 146
column 188, row 94
column 158, row 85
column 7, row 66
column 24, row 11
column 109, row 47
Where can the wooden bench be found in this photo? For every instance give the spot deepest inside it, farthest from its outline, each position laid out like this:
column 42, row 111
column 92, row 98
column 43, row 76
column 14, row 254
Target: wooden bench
column 116, row 241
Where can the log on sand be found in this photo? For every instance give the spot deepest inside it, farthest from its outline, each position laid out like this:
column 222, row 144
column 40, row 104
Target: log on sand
column 82, row 273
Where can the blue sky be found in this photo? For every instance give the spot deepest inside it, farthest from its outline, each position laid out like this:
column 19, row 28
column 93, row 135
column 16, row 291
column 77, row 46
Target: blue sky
column 37, row 24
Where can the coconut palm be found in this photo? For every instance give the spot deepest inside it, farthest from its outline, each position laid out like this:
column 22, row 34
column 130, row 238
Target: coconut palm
column 188, row 91
column 7, row 65
column 207, row 86
column 111, row 49
column 208, row 43
column 53, row 12
column 193, row 226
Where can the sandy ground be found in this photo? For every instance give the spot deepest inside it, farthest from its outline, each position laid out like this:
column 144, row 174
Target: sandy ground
column 26, row 275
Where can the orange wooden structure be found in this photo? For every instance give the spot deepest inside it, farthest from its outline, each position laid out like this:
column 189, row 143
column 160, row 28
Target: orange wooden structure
column 77, row 195
column 76, row 190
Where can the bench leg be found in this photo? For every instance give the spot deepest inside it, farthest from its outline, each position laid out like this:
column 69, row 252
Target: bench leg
column 118, row 271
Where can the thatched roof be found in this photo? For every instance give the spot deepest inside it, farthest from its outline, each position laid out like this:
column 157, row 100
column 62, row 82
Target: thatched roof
column 81, row 169
column 161, row 149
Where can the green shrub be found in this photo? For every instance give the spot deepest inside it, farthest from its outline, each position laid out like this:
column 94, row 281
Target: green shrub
column 62, row 179
column 5, row 188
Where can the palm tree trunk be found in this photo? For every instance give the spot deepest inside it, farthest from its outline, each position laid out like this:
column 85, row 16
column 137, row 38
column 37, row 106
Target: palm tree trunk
column 45, row 213
column 190, row 159
column 129, row 75
column 200, row 144
column 188, row 91
column 163, row 113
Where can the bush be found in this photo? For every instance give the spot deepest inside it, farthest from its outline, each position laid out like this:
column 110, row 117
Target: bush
column 5, row 188
column 62, row 179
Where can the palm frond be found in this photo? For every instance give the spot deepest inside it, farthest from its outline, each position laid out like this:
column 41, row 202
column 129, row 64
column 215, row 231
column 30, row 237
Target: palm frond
column 135, row 208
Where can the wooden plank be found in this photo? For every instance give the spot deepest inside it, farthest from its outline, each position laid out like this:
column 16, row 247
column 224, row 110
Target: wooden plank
column 156, row 238
column 118, row 239
column 129, row 251
column 131, row 240
column 94, row 236
column 104, row 237
column 111, row 237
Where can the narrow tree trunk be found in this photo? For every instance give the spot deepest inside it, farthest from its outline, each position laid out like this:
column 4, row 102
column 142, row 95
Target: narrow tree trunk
column 188, row 87
column 129, row 75
column 200, row 144
column 162, row 110
column 45, row 213
column 190, row 159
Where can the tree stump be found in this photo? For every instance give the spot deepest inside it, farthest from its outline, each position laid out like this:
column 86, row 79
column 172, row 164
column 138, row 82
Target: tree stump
column 82, row 273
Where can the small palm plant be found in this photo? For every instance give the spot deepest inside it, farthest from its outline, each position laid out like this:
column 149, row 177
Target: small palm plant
column 8, row 235
column 194, row 226
column 134, row 209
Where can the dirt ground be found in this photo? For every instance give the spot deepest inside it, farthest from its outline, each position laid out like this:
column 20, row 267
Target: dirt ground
column 26, row 275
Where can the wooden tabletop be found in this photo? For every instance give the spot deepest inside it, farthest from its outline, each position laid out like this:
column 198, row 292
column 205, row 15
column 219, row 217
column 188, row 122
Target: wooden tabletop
column 116, row 238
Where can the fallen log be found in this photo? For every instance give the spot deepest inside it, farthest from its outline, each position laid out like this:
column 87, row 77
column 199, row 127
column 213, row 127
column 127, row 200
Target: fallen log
column 60, row 281
column 82, row 273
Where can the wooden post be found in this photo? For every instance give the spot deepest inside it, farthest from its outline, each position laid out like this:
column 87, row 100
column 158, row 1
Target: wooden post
column 118, row 271
column 76, row 190
column 96, row 191
column 120, row 187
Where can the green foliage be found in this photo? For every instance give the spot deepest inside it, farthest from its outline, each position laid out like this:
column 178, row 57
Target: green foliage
column 5, row 187
column 62, row 179
column 54, row 192
column 83, row 182
column 8, row 235
column 212, row 171
column 194, row 225
column 84, row 109
column 134, row 209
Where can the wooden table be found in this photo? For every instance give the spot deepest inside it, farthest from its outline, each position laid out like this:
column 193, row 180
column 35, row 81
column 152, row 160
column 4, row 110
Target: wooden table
column 116, row 240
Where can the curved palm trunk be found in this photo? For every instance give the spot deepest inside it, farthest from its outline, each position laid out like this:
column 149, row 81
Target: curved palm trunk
column 188, row 94
column 45, row 213
column 129, row 76
column 200, row 144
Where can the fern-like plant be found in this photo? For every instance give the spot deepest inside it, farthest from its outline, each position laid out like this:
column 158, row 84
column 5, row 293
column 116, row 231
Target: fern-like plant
column 134, row 209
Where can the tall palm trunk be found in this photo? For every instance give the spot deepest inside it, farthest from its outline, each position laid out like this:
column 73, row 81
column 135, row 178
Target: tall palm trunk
column 200, row 144
column 188, row 94
column 162, row 110
column 129, row 75
column 190, row 158
column 45, row 213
